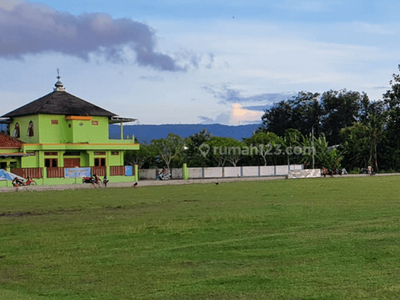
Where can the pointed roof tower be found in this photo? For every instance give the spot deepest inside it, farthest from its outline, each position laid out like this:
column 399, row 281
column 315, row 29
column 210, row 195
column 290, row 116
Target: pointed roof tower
column 59, row 87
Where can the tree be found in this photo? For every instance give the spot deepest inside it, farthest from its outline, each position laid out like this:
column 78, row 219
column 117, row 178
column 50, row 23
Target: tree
column 194, row 156
column 291, row 140
column 278, row 118
column 376, row 125
column 341, row 110
column 265, row 143
column 169, row 148
column 355, row 144
column 360, row 141
column 392, row 102
column 140, row 157
column 223, row 149
column 300, row 113
column 329, row 157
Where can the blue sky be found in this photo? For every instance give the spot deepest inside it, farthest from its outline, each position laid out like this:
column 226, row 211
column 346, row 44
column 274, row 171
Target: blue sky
column 195, row 61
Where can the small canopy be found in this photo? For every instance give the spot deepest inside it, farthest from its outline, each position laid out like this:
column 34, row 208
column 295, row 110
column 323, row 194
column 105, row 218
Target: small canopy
column 4, row 175
column 11, row 154
column 121, row 120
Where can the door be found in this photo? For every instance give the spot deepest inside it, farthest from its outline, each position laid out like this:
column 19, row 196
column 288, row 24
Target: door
column 72, row 162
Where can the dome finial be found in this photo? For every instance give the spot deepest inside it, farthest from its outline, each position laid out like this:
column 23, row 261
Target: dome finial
column 58, row 85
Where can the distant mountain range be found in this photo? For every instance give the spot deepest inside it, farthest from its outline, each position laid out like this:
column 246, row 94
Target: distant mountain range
column 146, row 133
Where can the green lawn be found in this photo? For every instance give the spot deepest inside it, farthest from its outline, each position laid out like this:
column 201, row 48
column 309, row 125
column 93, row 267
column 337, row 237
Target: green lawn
column 328, row 238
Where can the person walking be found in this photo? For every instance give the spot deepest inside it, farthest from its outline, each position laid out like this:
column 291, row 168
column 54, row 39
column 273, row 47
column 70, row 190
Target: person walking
column 96, row 180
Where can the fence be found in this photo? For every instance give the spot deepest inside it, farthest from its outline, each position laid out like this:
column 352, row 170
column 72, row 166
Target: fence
column 117, row 171
column 58, row 172
column 99, row 171
column 25, row 172
column 55, row 172
column 225, row 172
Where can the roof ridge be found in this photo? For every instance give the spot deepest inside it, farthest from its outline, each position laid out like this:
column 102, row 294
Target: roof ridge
column 60, row 103
column 45, row 102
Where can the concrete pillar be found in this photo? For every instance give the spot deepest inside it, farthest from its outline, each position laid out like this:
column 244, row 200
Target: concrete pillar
column 185, row 171
column 136, row 170
column 44, row 175
column 61, row 159
column 91, row 158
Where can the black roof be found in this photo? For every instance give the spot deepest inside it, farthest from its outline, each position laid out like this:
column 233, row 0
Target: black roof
column 59, row 103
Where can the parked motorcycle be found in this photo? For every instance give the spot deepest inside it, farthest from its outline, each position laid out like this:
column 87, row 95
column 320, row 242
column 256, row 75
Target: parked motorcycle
column 164, row 176
column 87, row 180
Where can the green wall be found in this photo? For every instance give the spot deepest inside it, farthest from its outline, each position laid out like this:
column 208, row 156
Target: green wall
column 53, row 133
column 84, row 131
column 58, row 129
column 30, row 161
column 23, row 123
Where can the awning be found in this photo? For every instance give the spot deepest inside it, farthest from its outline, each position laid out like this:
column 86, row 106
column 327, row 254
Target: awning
column 14, row 154
column 115, row 120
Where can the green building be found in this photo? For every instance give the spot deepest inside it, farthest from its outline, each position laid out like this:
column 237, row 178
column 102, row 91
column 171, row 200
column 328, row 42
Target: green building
column 59, row 137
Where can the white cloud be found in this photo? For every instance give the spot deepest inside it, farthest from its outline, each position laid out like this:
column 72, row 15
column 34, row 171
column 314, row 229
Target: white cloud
column 239, row 115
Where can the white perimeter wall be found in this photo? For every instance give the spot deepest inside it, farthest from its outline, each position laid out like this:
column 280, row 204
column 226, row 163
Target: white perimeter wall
column 232, row 171
column 195, row 172
column 250, row 171
column 267, row 170
column 212, row 172
column 221, row 172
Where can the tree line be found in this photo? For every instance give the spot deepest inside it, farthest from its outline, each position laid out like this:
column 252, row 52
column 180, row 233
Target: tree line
column 334, row 129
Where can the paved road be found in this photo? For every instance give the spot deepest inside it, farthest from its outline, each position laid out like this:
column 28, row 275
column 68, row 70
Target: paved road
column 161, row 182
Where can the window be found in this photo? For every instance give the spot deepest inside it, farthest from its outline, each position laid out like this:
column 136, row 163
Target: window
column 54, row 122
column 72, row 154
column 16, row 131
column 99, row 162
column 99, row 153
column 50, row 163
column 30, row 131
column 114, row 152
column 51, row 153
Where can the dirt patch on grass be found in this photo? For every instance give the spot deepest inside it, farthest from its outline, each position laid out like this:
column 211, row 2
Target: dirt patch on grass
column 37, row 213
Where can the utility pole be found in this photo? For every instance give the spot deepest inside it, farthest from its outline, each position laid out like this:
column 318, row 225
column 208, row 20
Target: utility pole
column 312, row 145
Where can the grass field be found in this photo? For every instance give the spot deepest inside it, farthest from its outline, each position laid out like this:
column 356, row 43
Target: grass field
column 328, row 238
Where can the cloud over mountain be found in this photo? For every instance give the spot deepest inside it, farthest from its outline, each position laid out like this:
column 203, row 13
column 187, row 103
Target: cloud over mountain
column 227, row 94
column 32, row 28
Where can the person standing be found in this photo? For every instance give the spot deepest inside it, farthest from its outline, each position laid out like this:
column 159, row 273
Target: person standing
column 105, row 181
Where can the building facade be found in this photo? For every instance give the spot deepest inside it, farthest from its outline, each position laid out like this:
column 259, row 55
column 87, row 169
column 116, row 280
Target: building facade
column 59, row 137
